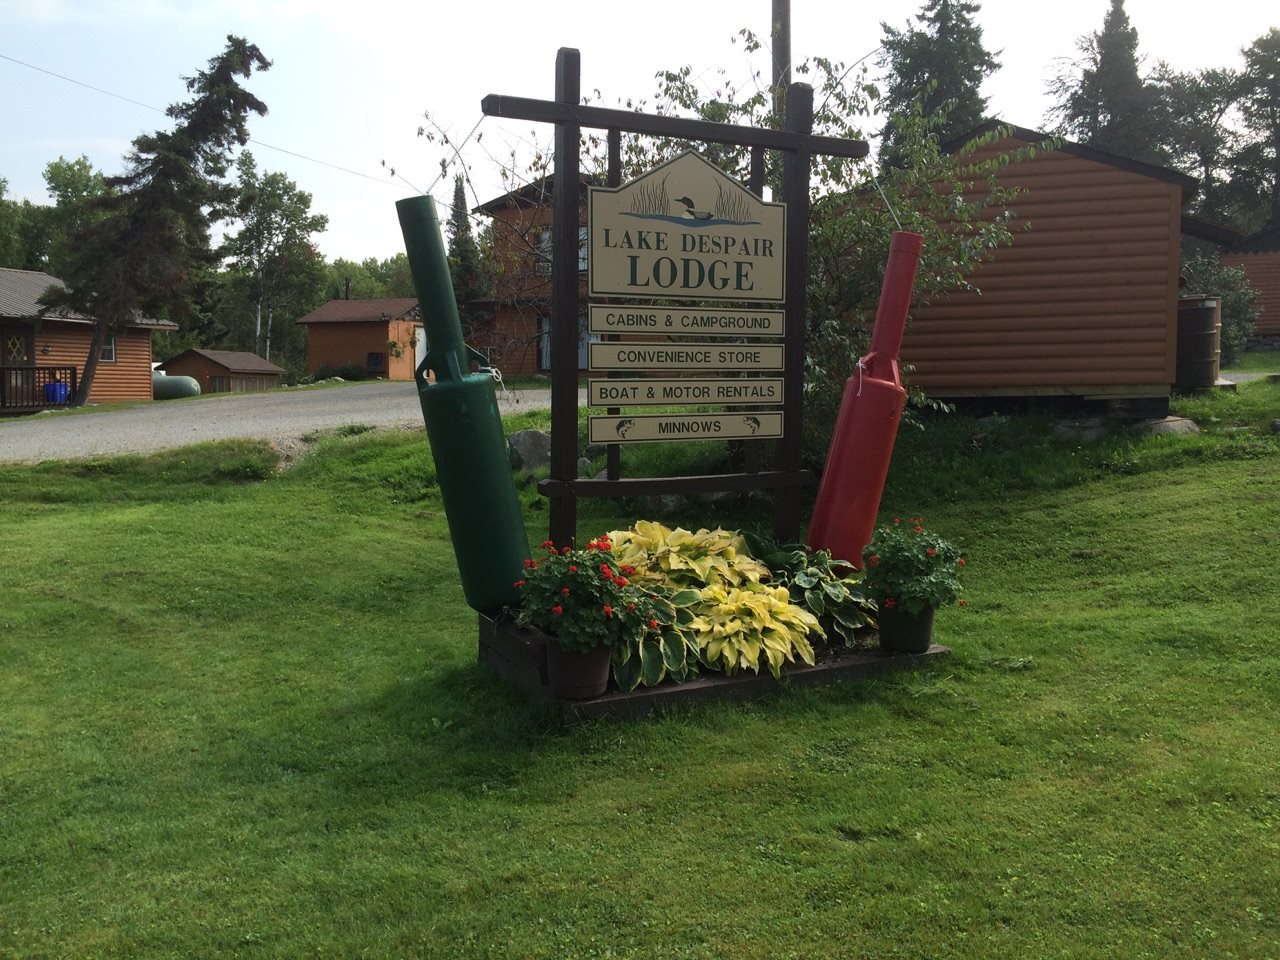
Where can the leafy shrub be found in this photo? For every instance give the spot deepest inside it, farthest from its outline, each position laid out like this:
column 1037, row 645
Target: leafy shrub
column 1240, row 304
column 736, row 619
column 832, row 591
column 735, row 627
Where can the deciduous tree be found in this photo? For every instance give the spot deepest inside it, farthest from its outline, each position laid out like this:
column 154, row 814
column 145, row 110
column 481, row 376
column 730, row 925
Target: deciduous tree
column 274, row 242
column 1260, row 108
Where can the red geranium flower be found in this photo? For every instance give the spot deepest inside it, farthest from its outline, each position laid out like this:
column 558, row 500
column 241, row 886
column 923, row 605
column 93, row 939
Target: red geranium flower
column 608, row 610
column 931, row 552
column 565, row 591
column 960, row 561
column 874, row 560
column 653, row 624
column 573, row 568
column 557, row 609
column 889, row 603
column 518, row 584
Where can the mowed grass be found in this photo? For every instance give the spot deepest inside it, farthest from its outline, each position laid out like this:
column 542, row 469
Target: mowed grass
column 1258, row 361
column 240, row 715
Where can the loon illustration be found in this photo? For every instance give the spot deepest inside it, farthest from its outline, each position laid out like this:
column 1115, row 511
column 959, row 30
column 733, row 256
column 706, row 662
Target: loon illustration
column 690, row 213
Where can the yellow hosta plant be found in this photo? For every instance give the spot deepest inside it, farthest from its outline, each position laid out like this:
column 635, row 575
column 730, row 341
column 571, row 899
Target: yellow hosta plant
column 679, row 558
column 738, row 627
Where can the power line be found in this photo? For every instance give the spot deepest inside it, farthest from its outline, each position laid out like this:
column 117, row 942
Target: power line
column 147, row 106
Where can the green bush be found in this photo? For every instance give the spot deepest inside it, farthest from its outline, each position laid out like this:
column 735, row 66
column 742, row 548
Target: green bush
column 1240, row 306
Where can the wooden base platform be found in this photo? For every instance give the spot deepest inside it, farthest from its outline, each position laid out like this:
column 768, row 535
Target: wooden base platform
column 519, row 655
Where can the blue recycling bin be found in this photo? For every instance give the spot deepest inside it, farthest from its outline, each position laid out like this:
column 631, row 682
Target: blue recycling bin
column 56, row 392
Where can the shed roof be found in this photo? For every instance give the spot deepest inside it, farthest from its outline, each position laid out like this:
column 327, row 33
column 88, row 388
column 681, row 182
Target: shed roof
column 234, row 361
column 20, row 292
column 1189, row 184
column 1203, row 229
column 1266, row 240
column 364, row 311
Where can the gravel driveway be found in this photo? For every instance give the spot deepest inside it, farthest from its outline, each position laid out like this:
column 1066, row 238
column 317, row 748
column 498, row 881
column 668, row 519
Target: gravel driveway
column 279, row 416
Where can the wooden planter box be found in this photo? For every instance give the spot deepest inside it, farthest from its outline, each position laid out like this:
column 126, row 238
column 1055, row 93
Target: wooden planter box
column 519, row 655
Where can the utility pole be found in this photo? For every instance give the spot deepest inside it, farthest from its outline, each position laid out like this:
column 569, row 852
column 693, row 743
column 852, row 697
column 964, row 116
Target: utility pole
column 780, row 35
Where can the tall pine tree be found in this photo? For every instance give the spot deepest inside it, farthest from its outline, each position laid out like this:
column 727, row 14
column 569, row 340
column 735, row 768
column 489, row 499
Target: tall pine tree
column 149, row 254
column 1102, row 99
column 940, row 59
column 471, row 280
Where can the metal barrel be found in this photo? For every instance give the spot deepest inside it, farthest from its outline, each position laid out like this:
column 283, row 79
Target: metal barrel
column 464, row 428
column 1199, row 334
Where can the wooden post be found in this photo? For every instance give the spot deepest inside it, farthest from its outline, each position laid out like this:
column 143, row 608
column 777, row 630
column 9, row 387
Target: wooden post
column 564, row 298
column 795, row 194
column 613, row 455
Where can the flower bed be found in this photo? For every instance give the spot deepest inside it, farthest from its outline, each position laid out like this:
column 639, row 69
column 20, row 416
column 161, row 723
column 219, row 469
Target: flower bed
column 687, row 615
column 518, row 653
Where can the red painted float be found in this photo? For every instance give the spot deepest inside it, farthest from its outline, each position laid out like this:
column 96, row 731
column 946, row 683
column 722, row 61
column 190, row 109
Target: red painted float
column 867, row 425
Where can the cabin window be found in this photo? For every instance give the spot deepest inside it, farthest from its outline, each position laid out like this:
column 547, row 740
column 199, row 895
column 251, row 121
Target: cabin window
column 108, row 352
column 542, row 255
column 377, row 362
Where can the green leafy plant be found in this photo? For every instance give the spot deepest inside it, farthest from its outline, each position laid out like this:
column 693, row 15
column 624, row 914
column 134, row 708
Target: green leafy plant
column 668, row 651
column 683, row 559
column 736, row 627
column 832, row 590
column 736, row 619
column 583, row 599
column 911, row 568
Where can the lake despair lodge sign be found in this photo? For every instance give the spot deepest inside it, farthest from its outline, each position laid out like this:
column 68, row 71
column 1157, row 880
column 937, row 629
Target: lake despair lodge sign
column 685, row 231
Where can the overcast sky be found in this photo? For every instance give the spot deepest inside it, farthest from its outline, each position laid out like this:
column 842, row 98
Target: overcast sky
column 351, row 81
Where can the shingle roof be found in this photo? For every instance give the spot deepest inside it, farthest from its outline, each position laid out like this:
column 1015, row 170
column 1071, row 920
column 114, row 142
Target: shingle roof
column 235, row 361
column 363, row 311
column 20, row 292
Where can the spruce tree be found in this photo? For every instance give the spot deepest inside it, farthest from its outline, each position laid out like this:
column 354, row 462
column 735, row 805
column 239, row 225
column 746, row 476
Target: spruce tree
column 466, row 268
column 940, row 59
column 1103, row 101
column 148, row 253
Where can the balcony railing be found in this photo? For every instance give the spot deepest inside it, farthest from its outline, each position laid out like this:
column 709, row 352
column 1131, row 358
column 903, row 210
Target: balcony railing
column 37, row 388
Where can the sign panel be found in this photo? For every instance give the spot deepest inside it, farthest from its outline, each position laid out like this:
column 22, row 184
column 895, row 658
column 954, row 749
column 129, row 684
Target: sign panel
column 685, row 231
column 684, row 356
column 647, row 428
column 702, row 322
column 651, row 392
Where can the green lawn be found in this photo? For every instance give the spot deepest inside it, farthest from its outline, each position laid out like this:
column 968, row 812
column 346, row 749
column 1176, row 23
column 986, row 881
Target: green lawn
column 240, row 715
column 1258, row 361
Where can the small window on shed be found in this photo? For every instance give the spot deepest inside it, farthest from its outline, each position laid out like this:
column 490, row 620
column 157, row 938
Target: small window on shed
column 377, row 363
column 108, row 354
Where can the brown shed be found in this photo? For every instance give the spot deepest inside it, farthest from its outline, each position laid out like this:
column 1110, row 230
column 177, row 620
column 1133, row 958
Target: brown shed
column 1085, row 302
column 1259, row 255
column 378, row 336
column 42, row 358
column 224, row 371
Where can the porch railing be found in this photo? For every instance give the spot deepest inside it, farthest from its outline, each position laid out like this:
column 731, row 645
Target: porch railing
column 37, row 388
